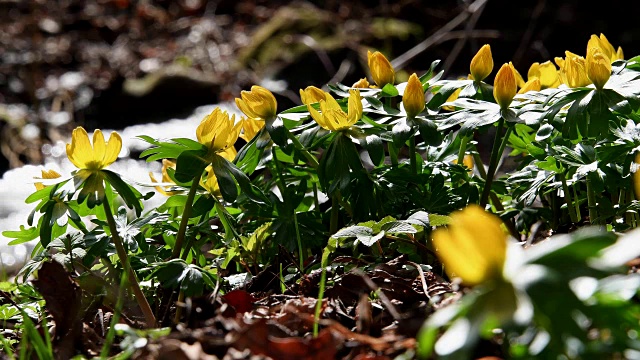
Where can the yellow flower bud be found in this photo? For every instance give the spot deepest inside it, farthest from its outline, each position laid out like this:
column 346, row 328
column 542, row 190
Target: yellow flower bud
column 482, row 63
column 474, row 247
column 361, row 84
column 573, row 73
column 619, row 55
column 257, row 104
column 413, row 97
column 380, row 68
column 531, row 85
column 311, row 95
column 598, row 67
column 504, row 86
column 519, row 80
column 605, row 47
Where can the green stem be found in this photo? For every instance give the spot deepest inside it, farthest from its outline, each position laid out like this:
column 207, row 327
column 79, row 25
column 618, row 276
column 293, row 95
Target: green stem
column 393, row 154
column 300, row 250
column 187, row 248
column 132, row 279
column 568, row 200
column 493, row 164
column 278, row 175
column 323, row 280
column 178, row 315
column 463, row 149
column 111, row 334
column 591, row 202
column 311, row 160
column 335, row 212
column 483, row 174
column 577, row 200
column 412, row 153
column 186, row 214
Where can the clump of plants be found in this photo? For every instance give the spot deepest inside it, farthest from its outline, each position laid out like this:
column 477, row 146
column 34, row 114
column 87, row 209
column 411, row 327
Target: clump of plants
column 368, row 173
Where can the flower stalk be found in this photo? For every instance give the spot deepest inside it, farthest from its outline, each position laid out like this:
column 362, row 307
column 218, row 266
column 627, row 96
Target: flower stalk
column 186, row 214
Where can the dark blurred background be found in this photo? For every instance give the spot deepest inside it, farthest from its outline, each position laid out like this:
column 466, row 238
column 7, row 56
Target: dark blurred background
column 115, row 63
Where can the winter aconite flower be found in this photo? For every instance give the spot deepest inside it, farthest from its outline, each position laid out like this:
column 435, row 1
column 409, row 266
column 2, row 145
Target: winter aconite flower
column 531, row 85
column 361, row 84
column 210, row 183
column 598, row 67
column 473, row 247
column 46, row 175
column 218, row 131
column 331, row 115
column 505, row 86
column 605, row 47
column 482, row 63
column 166, row 164
column 93, row 158
column 257, row 104
column 546, row 72
column 413, row 97
column 573, row 72
column 381, row 70
column 311, row 94
column 250, row 128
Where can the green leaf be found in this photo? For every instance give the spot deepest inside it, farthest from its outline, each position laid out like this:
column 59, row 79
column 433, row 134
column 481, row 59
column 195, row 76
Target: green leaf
column 353, row 231
column 544, row 132
column 399, row 227
column 389, row 91
column 277, row 130
column 374, row 146
column 129, row 194
column 190, row 165
column 21, row 236
column 248, row 189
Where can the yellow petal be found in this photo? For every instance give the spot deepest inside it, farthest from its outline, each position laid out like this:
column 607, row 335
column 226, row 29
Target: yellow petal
column 574, row 73
column 250, row 128
column 546, row 72
column 80, row 152
column 99, row 146
column 531, row 85
column 319, row 118
column 112, row 150
column 619, row 55
column 257, row 104
column 46, row 174
column 519, row 80
column 451, row 98
column 504, row 86
column 362, row 83
column 482, row 63
column 354, row 108
column 311, row 94
column 598, row 67
column 381, row 70
column 413, row 97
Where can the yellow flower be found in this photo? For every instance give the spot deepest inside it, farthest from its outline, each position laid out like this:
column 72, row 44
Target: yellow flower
column 413, row 97
column 473, row 247
column 332, row 117
column 531, row 85
column 210, row 183
column 93, row 158
column 217, row 131
column 166, row 164
column 257, row 104
column 605, row 47
column 46, row 174
column 250, row 128
column 504, row 86
column 454, row 95
column 598, row 67
column 573, row 72
column 362, row 83
column 311, row 94
column 519, row 80
column 467, row 162
column 381, row 69
column 482, row 63
column 546, row 72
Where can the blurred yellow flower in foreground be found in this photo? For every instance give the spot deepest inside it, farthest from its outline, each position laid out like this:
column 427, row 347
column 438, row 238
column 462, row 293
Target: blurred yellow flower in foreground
column 505, row 86
column 473, row 247
column 482, row 63
column 257, row 104
column 217, row 131
column 331, row 115
column 46, row 175
column 381, row 70
column 413, row 97
column 598, row 67
column 93, row 158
